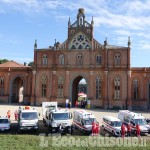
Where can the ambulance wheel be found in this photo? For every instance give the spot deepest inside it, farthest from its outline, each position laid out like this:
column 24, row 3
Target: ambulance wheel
column 75, row 126
column 103, row 128
column 85, row 133
column 71, row 131
column 50, row 129
column 45, row 124
column 113, row 133
column 19, row 131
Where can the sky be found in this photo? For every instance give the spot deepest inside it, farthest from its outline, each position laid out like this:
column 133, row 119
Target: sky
column 23, row 21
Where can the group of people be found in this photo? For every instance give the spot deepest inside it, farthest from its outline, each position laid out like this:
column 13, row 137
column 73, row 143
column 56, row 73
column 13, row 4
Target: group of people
column 129, row 130
column 15, row 114
column 82, row 104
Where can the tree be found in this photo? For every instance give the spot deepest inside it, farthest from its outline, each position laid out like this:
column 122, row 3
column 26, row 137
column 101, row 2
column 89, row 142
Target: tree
column 3, row 61
column 30, row 64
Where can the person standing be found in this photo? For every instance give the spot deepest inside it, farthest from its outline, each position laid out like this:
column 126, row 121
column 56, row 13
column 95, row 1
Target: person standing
column 67, row 101
column 69, row 105
column 138, row 130
column 123, row 130
column 8, row 114
column 16, row 115
column 93, row 128
column 129, row 129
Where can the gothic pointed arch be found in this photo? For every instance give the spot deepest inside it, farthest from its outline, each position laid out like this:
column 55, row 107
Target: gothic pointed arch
column 17, row 90
column 2, row 85
column 98, row 59
column 135, row 89
column 44, row 59
column 61, row 59
column 43, row 85
column 117, row 59
column 98, row 87
column 60, row 86
column 117, row 88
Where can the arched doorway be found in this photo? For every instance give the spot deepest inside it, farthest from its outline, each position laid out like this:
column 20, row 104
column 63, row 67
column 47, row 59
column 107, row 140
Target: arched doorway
column 79, row 85
column 17, row 91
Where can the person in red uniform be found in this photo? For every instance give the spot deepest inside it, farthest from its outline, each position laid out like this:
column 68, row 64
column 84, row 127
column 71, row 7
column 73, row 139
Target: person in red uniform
column 93, row 128
column 8, row 114
column 123, row 130
column 97, row 128
column 129, row 129
column 16, row 115
column 138, row 130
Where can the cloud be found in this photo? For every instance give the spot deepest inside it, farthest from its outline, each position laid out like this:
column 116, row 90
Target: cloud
column 104, row 12
column 122, row 32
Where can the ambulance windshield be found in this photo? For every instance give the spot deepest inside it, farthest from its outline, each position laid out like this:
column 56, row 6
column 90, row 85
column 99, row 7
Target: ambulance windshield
column 140, row 122
column 29, row 116
column 3, row 121
column 89, row 121
column 116, row 123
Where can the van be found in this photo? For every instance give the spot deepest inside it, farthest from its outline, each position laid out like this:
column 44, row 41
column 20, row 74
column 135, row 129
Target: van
column 112, row 125
column 83, row 120
column 127, row 116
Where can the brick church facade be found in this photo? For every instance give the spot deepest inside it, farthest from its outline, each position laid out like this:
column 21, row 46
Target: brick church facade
column 57, row 70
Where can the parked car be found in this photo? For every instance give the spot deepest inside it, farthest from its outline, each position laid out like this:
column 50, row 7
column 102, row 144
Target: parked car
column 4, row 124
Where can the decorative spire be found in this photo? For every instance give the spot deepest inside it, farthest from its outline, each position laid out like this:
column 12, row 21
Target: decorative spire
column 92, row 22
column 129, row 42
column 105, row 42
column 35, row 44
column 69, row 23
column 55, row 44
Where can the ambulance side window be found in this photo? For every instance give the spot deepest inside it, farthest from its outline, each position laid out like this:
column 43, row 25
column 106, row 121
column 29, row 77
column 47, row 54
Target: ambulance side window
column 82, row 122
column 75, row 116
column 109, row 122
column 105, row 120
column 78, row 118
column 132, row 123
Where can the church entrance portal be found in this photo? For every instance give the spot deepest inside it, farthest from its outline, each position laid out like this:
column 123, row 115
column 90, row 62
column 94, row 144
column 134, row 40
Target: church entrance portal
column 17, row 91
column 79, row 86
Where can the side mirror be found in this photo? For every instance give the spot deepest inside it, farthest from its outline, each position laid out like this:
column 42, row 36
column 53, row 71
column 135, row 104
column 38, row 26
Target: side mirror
column 51, row 116
column 70, row 115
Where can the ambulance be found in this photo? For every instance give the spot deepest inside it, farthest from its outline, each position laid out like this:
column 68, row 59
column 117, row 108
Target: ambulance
column 58, row 120
column 83, row 120
column 112, row 125
column 27, row 119
column 134, row 118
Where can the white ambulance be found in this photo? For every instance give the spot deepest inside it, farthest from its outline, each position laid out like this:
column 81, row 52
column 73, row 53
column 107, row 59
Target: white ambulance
column 112, row 125
column 83, row 120
column 27, row 119
column 134, row 118
column 58, row 120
